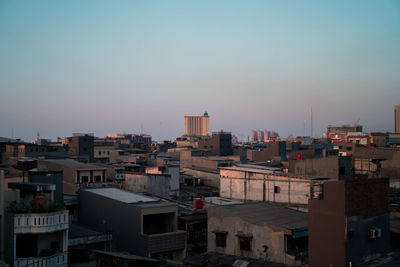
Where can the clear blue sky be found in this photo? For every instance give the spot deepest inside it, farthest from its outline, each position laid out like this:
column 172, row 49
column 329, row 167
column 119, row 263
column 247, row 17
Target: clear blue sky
column 112, row 66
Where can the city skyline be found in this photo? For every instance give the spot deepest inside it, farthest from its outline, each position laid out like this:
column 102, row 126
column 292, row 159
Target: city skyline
column 122, row 67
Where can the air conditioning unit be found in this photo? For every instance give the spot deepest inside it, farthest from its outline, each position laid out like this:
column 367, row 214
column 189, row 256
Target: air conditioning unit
column 375, row 233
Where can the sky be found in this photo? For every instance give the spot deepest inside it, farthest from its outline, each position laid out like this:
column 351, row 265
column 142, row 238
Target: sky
column 130, row 66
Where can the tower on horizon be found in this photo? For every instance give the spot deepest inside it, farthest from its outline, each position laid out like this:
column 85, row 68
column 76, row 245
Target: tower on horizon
column 197, row 125
column 397, row 118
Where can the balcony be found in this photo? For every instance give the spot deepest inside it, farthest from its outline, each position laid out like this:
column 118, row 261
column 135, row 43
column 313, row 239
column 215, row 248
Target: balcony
column 166, row 242
column 60, row 259
column 25, row 223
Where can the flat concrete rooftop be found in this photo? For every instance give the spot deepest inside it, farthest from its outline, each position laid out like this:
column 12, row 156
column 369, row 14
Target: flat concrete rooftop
column 122, row 196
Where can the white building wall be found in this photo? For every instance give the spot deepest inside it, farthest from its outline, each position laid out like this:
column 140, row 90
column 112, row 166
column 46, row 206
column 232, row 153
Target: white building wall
column 262, row 235
column 264, row 187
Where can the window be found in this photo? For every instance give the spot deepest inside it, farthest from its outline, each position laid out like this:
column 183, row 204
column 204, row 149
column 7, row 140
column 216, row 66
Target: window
column 99, row 152
column 350, row 234
column 277, row 189
column 85, row 179
column 244, row 240
column 349, row 148
column 245, row 243
column 342, row 170
column 97, row 178
column 220, row 239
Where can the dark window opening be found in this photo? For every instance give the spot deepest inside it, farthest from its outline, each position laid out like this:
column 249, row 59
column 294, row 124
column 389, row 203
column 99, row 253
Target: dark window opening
column 245, row 243
column 97, row 178
column 350, row 234
column 342, row 170
column 349, row 148
column 296, row 246
column 158, row 223
column 85, row 179
column 277, row 189
column 26, row 246
column 220, row 240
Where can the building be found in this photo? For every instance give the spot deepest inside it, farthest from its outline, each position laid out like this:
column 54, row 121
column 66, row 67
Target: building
column 359, row 138
column 259, row 183
column 253, row 136
column 333, row 167
column 353, row 218
column 163, row 180
column 139, row 224
column 380, row 139
column 259, row 231
column 205, row 159
column 197, row 125
column 34, row 234
column 274, row 151
column 17, row 149
column 339, row 133
column 81, row 147
column 75, row 174
column 260, row 136
column 220, row 143
column 397, row 118
column 102, row 150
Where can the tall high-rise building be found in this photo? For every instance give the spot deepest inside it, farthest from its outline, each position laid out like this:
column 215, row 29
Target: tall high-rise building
column 397, row 118
column 197, row 125
column 260, row 136
column 253, row 136
column 266, row 135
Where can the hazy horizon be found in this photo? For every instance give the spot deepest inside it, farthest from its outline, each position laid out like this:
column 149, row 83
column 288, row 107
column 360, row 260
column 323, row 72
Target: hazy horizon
column 105, row 67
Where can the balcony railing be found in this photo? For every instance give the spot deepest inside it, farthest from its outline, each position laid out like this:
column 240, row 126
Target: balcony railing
column 40, row 222
column 55, row 260
column 166, row 242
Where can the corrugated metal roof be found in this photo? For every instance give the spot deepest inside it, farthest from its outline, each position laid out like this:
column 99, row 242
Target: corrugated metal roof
column 262, row 213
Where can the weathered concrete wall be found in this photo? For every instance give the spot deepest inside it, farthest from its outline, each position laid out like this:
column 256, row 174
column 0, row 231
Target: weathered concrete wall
column 159, row 184
column 135, row 182
column 265, row 187
column 323, row 167
column 326, row 227
column 262, row 235
column 362, row 248
column 273, row 151
column 209, row 178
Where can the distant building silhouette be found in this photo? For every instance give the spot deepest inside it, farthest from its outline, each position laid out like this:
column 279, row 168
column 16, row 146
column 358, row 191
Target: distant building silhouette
column 397, row 118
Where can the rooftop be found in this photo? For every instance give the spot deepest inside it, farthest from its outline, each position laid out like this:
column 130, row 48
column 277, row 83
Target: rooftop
column 262, row 213
column 73, row 164
column 122, row 196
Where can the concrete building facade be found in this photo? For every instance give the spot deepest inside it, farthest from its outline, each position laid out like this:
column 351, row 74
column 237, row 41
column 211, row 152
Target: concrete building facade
column 220, row 143
column 259, row 231
column 353, row 218
column 140, row 225
column 266, row 184
column 75, row 174
column 197, row 125
column 339, row 133
column 333, row 167
column 81, row 147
